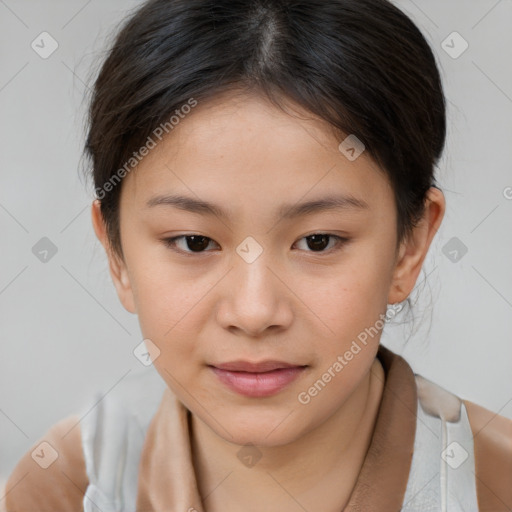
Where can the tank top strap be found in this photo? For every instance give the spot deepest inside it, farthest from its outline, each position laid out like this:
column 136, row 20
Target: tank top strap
column 442, row 476
column 113, row 430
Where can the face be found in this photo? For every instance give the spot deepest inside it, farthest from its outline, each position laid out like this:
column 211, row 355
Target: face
column 256, row 277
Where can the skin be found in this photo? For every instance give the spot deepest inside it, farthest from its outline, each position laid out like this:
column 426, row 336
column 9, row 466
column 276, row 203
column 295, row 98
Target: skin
column 293, row 303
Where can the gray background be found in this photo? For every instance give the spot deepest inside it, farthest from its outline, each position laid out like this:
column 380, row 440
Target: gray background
column 64, row 333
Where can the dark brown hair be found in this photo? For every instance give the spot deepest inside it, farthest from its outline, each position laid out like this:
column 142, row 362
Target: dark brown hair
column 361, row 65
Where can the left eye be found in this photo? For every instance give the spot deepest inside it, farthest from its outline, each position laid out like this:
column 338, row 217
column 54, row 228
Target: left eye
column 197, row 243
column 317, row 241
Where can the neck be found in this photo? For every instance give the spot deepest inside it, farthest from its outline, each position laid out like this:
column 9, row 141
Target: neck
column 326, row 459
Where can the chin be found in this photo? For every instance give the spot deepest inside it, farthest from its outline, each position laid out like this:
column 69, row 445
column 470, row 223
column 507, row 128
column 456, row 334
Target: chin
column 262, row 439
column 276, row 430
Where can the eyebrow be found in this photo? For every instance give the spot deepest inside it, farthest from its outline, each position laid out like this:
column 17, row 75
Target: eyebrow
column 328, row 203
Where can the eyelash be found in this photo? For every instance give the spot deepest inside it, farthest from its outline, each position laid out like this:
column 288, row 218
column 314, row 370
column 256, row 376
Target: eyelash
column 171, row 243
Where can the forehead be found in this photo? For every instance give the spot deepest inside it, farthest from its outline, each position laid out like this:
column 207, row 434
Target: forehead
column 243, row 148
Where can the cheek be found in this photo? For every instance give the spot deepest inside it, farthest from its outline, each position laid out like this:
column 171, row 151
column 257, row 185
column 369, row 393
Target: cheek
column 168, row 295
column 353, row 305
column 348, row 299
column 169, row 316
column 170, row 307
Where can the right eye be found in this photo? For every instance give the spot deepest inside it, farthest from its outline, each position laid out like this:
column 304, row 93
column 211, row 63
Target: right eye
column 192, row 243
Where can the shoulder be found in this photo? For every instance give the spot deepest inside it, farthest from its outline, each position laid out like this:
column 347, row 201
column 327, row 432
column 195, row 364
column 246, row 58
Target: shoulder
column 53, row 468
column 492, row 435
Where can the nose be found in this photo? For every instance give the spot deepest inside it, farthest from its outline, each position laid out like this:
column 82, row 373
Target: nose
column 254, row 298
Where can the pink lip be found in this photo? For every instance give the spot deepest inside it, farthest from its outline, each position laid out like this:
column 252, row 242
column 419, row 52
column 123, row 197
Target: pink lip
column 258, row 384
column 247, row 366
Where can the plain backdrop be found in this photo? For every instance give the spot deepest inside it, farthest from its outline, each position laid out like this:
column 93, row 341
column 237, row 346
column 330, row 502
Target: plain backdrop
column 64, row 333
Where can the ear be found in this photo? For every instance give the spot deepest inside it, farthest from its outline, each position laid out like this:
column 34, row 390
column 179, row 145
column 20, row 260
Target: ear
column 414, row 249
column 117, row 266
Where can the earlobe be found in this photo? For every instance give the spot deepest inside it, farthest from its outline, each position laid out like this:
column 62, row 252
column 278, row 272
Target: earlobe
column 396, row 292
column 121, row 281
column 117, row 267
column 414, row 249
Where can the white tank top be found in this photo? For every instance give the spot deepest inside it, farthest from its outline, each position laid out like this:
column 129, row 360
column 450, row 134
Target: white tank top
column 441, row 479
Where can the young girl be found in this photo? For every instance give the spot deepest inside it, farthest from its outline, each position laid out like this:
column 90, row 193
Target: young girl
column 265, row 194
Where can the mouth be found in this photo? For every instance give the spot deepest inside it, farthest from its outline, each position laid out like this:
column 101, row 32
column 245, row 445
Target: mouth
column 257, row 380
column 248, row 366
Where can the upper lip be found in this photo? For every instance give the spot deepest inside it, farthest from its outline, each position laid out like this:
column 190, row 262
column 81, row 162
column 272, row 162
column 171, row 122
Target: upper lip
column 247, row 366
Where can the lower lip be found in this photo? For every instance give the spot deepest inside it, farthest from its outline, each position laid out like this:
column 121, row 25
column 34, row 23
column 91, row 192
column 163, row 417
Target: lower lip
column 258, row 384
